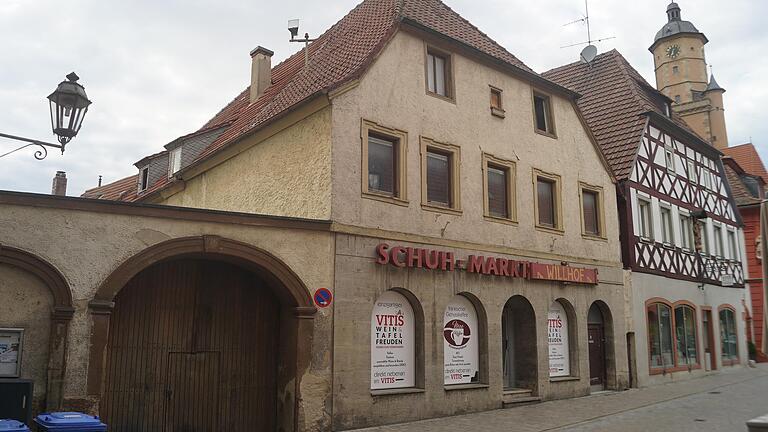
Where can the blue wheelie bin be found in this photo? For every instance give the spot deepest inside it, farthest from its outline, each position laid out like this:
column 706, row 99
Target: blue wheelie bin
column 69, row 422
column 12, row 426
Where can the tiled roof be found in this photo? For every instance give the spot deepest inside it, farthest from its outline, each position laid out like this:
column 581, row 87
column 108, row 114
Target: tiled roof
column 747, row 157
column 115, row 191
column 741, row 193
column 614, row 99
column 342, row 54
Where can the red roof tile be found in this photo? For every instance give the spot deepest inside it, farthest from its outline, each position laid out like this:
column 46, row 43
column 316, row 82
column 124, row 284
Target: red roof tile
column 747, row 157
column 115, row 191
column 614, row 99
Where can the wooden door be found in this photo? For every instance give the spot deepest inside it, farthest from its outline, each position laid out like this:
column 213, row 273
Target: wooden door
column 192, row 399
column 596, row 355
column 183, row 333
column 710, row 362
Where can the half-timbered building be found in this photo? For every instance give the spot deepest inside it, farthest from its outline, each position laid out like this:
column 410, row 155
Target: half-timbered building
column 682, row 242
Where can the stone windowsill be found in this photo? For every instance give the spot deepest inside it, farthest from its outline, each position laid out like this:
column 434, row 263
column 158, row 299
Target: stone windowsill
column 565, row 378
column 397, row 391
column 472, row 386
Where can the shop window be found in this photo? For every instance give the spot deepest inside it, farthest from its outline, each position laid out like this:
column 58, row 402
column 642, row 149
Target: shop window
column 666, row 225
column 660, row 336
column 592, row 210
column 542, row 112
column 644, row 219
column 439, row 76
column 384, row 155
column 393, row 342
column 499, row 185
column 561, row 330
column 440, row 175
column 497, row 107
column 685, row 335
column 686, row 231
column 461, row 342
column 547, row 201
column 728, row 341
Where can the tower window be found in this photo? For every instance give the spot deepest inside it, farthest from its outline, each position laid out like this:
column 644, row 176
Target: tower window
column 675, row 70
column 677, row 98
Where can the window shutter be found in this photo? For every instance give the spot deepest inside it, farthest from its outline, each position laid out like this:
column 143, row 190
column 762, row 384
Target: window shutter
column 545, row 191
column 438, row 179
column 497, row 192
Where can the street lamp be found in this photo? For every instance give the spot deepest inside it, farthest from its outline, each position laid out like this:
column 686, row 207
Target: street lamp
column 68, row 104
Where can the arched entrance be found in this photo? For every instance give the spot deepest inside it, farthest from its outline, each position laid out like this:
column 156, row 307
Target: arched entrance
column 519, row 354
column 204, row 334
column 602, row 363
column 61, row 315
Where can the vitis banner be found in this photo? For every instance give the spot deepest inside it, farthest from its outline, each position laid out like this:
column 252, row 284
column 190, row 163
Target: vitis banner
column 460, row 340
column 559, row 358
column 393, row 351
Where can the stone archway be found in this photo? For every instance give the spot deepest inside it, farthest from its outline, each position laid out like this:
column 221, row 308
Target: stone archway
column 294, row 300
column 61, row 315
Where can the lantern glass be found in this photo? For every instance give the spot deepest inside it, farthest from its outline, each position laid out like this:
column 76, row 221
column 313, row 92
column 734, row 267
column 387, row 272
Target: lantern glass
column 68, row 104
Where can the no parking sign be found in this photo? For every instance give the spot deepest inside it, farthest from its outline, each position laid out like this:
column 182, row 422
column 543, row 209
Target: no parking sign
column 323, row 297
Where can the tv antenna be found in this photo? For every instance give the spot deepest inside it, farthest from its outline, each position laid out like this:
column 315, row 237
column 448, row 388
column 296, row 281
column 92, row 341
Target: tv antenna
column 293, row 27
column 590, row 51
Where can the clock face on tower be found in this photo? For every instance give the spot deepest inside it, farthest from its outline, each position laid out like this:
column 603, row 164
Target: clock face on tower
column 673, row 51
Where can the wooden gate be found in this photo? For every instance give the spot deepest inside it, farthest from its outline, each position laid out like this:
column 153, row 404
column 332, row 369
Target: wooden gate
column 192, row 348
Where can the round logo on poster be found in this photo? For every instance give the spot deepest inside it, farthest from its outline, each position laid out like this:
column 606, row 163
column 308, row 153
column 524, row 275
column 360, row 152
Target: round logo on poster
column 457, row 333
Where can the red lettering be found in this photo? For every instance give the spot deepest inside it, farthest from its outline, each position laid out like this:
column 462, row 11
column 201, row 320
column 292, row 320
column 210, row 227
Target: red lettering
column 431, row 259
column 490, row 267
column 502, row 264
column 400, row 320
column 413, row 257
column 395, row 256
column 446, row 261
column 381, row 252
column 474, row 264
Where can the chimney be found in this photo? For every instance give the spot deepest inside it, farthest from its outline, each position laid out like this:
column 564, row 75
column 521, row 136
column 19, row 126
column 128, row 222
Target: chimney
column 261, row 71
column 59, row 184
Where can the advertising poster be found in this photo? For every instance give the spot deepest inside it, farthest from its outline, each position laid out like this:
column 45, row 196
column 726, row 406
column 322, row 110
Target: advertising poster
column 461, row 347
column 559, row 358
column 10, row 352
column 393, row 353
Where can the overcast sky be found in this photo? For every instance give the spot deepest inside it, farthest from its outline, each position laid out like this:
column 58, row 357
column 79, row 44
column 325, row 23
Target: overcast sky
column 158, row 69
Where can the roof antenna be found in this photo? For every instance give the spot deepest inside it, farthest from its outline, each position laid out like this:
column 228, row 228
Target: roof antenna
column 590, row 51
column 293, row 27
column 99, row 181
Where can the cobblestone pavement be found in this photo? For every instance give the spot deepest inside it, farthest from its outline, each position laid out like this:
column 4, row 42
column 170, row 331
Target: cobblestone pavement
column 716, row 402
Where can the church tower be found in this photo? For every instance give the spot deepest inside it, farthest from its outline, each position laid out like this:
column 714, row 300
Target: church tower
column 681, row 74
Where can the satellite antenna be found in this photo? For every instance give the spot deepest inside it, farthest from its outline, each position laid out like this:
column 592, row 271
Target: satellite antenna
column 293, row 27
column 589, row 52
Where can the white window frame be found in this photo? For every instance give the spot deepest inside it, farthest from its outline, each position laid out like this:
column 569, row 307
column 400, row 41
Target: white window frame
column 686, row 235
column 669, row 158
column 733, row 248
column 645, row 232
column 174, row 161
column 718, row 240
column 143, row 179
column 692, row 177
column 667, row 229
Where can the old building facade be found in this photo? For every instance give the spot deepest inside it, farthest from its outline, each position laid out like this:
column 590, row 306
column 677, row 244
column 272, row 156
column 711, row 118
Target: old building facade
column 409, row 225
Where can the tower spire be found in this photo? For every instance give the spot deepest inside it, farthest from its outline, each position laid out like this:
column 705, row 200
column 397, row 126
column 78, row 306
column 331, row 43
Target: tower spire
column 673, row 12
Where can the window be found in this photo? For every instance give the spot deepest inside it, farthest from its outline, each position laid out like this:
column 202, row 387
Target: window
column 685, row 335
column 732, row 246
column 393, row 342
column 174, row 161
column 686, row 232
column 499, row 188
column 728, row 341
column 461, row 343
column 706, row 178
column 562, row 355
column 677, row 98
column 542, row 111
column 692, row 177
column 666, row 225
column 439, row 73
column 660, row 336
column 497, row 108
column 644, row 219
column 675, row 70
column 706, row 249
column 718, row 233
column 547, row 201
column 591, row 210
column 669, row 159
column 440, row 175
column 144, row 179
column 384, row 152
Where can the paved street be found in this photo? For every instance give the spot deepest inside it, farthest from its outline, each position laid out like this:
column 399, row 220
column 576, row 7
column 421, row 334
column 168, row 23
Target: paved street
column 718, row 402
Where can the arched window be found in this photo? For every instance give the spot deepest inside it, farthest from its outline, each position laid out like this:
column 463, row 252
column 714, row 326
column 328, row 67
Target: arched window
column 728, row 342
column 559, row 338
column 660, row 336
column 393, row 342
column 461, row 342
column 685, row 335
